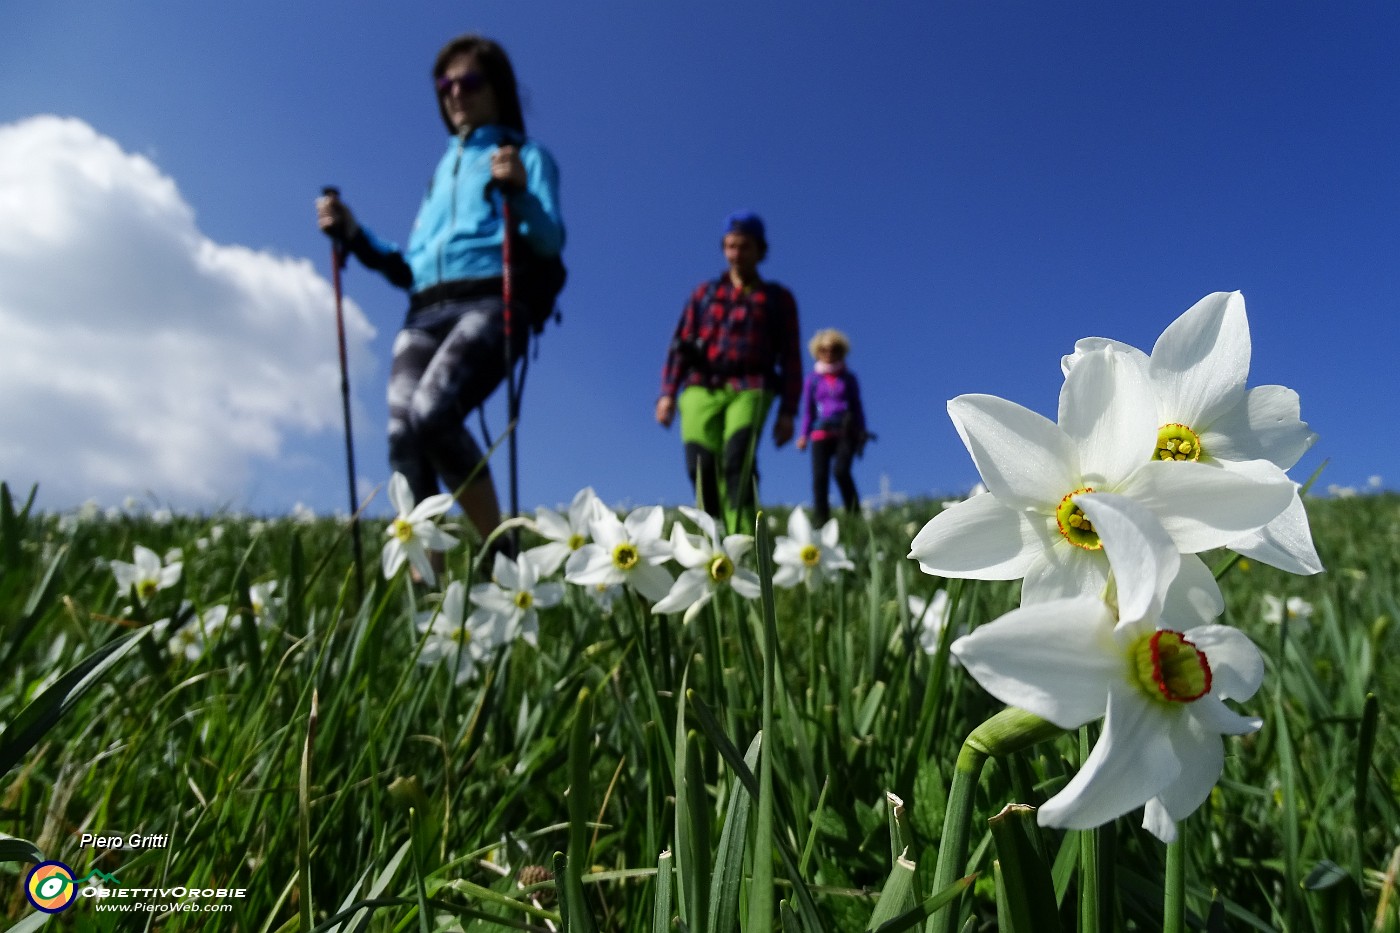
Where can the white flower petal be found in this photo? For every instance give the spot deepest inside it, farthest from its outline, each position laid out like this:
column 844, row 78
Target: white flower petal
column 787, row 576
column 393, row 557
column 1051, row 659
column 548, row 557
column 1203, row 506
column 1086, row 345
column 746, row 584
column 1108, row 408
column 645, row 523
column 549, row 594
column 592, row 565
column 979, row 538
column 1267, row 426
column 1130, row 764
column 689, row 586
column 1236, row 666
column 1157, row 821
column 689, row 550
column 1201, row 361
column 608, row 531
column 1143, row 556
column 1285, row 543
column 1063, row 571
column 400, row 495
column 1024, row 458
column 1202, row 757
column 800, row 527
column 650, row 580
column 552, row 525
column 506, row 573
column 1193, row 597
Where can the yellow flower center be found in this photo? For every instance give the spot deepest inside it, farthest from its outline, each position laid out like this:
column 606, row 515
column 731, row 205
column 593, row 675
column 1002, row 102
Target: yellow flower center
column 625, row 556
column 1170, row 668
column 721, row 568
column 1177, row 442
column 811, row 555
column 147, row 588
column 524, row 600
column 576, row 541
column 461, row 635
column 1075, row 525
column 402, row 530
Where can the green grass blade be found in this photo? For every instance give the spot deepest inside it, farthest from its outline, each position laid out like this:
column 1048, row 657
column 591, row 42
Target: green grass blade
column 665, row 876
column 729, row 864
column 897, row 896
column 36, row 719
column 1025, row 891
column 580, row 801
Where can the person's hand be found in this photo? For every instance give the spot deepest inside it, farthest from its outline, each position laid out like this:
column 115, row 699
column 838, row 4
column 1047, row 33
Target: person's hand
column 782, row 430
column 506, row 168
column 665, row 410
column 802, row 443
column 335, row 219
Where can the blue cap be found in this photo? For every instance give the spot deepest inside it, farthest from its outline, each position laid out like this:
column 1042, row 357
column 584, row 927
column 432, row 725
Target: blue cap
column 747, row 223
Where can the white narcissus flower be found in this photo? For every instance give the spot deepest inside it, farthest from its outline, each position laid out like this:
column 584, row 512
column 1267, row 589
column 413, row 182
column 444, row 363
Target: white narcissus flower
column 804, row 555
column 260, row 595
column 463, row 642
column 515, row 593
column 147, row 573
column 1159, row 679
column 412, row 533
column 1294, row 608
column 1204, row 413
column 191, row 639
column 565, row 533
column 629, row 552
column 1030, row 524
column 931, row 617
column 710, row 562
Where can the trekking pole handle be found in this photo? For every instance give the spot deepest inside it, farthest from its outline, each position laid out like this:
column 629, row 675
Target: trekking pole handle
column 333, row 192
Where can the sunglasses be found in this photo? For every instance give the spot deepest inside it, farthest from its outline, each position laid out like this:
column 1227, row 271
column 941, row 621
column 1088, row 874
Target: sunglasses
column 469, row 83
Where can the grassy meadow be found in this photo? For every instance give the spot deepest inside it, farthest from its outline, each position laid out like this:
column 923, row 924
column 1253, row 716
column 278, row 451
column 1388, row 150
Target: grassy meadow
column 610, row 778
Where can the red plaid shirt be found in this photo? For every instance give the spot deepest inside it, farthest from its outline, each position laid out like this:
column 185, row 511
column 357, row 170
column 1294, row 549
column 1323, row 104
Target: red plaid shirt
column 743, row 338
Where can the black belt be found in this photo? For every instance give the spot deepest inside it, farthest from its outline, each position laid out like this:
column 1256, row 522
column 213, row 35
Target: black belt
column 459, row 290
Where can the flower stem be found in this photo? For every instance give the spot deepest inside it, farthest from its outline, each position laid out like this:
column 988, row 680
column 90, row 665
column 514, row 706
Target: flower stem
column 1174, row 902
column 1088, row 858
column 1008, row 731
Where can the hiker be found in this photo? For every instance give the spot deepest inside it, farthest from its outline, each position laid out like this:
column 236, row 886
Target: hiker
column 833, row 422
column 734, row 350
column 450, row 354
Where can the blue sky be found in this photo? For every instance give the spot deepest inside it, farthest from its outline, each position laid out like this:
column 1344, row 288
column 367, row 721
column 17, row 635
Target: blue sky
column 965, row 189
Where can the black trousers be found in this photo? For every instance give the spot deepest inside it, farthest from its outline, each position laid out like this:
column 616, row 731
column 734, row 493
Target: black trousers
column 832, row 455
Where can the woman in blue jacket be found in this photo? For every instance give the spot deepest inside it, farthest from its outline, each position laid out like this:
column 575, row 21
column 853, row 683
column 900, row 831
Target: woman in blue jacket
column 450, row 354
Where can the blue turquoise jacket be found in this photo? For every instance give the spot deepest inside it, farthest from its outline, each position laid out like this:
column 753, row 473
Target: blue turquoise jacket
column 457, row 235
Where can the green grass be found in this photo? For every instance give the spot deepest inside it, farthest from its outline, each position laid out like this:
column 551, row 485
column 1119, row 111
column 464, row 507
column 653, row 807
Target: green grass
column 412, row 804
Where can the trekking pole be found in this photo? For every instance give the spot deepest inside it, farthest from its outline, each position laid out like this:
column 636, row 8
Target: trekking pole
column 338, row 258
column 512, row 396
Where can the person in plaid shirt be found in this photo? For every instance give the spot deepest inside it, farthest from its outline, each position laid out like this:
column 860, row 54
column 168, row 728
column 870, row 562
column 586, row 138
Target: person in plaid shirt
column 734, row 351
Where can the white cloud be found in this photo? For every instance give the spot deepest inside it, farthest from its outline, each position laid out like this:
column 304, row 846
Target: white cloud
column 135, row 353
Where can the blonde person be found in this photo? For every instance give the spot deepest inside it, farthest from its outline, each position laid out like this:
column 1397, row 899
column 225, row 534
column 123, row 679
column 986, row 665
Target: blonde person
column 833, row 422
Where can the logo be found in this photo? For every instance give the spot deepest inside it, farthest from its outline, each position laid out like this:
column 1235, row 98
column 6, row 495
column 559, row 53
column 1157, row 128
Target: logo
column 52, row 888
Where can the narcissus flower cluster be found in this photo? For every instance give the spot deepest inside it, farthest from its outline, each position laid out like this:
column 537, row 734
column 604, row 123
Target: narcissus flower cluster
column 1152, row 459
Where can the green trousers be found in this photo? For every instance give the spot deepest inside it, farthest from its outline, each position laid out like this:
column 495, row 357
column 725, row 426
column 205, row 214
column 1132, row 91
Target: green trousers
column 720, row 429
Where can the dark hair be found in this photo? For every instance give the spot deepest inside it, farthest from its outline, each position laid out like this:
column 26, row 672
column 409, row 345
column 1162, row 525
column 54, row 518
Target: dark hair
column 495, row 68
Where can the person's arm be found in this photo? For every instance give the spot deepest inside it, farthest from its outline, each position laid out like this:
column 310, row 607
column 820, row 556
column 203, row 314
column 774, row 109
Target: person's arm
column 676, row 366
column 789, row 355
column 536, row 205
column 337, row 221
column 856, row 406
column 809, row 402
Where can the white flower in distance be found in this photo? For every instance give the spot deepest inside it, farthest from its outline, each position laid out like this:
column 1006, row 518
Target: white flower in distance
column 190, row 641
column 1159, row 679
column 1293, row 609
column 1030, row 524
column 147, row 574
column 515, row 593
column 452, row 638
column 931, row 617
column 565, row 533
column 1204, row 413
column 629, row 552
column 412, row 533
column 710, row 561
column 804, row 555
column 261, row 596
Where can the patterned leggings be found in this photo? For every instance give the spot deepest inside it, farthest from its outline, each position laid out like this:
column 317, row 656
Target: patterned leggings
column 447, row 360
